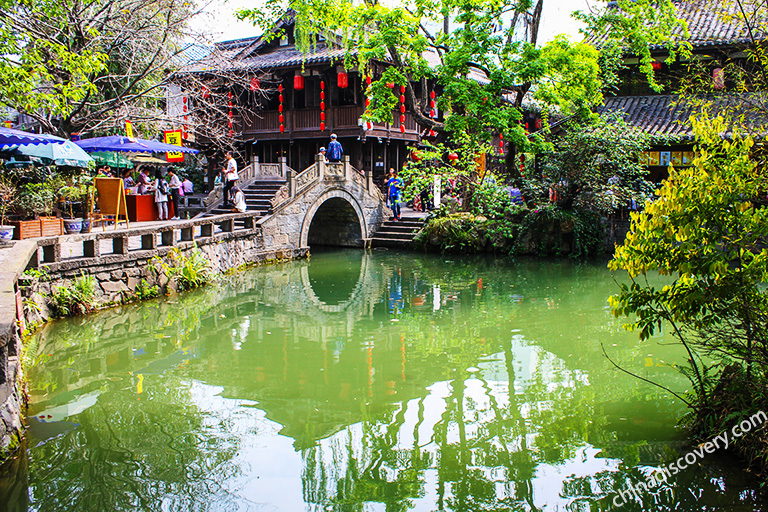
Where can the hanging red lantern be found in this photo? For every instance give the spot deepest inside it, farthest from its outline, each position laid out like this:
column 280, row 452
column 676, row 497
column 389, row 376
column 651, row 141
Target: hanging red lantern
column 322, row 126
column 402, row 108
column 538, row 124
column 343, row 80
column 280, row 108
column 432, row 132
column 391, row 85
column 281, row 118
column 402, row 89
column 402, row 118
column 280, row 88
column 656, row 65
column 453, row 156
column 298, row 82
column 368, row 80
column 432, row 113
column 322, row 116
column 229, row 104
column 367, row 102
column 229, row 95
column 415, row 156
column 402, row 98
column 402, row 128
column 369, row 125
column 206, row 92
column 230, row 114
column 322, row 95
column 431, row 103
column 183, row 99
column 282, row 128
column 322, row 106
column 280, row 98
column 184, row 108
column 432, row 94
column 322, row 85
column 255, row 84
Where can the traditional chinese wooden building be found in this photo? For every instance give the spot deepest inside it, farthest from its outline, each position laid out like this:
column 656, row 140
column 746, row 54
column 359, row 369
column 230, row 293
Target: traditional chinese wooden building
column 294, row 101
column 720, row 40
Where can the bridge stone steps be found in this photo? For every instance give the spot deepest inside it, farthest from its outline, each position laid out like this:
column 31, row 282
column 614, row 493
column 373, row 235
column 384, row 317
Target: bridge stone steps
column 257, row 197
column 397, row 233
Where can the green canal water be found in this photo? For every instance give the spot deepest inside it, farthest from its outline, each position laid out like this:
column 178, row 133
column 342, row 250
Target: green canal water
column 362, row 382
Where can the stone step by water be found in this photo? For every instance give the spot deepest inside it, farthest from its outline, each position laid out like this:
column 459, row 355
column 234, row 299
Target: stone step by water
column 257, row 196
column 398, row 234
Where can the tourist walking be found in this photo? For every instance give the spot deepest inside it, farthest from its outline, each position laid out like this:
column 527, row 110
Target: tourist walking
column 394, row 192
column 174, row 183
column 230, row 178
column 161, row 195
column 335, row 151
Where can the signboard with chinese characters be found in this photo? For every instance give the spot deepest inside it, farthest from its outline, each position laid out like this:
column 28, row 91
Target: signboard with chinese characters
column 174, row 137
column 653, row 158
column 677, row 158
column 664, row 157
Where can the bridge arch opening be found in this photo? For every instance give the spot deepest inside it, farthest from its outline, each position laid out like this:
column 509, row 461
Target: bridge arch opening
column 335, row 223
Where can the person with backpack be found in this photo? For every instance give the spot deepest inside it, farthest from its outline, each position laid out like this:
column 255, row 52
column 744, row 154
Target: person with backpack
column 334, row 150
column 161, row 195
column 174, row 183
column 230, row 177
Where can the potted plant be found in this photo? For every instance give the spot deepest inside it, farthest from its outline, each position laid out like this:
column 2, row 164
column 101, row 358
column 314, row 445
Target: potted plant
column 36, row 201
column 73, row 195
column 9, row 196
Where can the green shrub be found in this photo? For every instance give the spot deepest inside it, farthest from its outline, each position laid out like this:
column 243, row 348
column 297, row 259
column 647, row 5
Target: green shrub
column 490, row 200
column 144, row 291
column 190, row 271
column 77, row 298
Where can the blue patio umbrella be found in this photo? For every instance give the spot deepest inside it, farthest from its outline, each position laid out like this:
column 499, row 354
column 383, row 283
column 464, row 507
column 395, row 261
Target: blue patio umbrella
column 63, row 153
column 121, row 143
column 10, row 137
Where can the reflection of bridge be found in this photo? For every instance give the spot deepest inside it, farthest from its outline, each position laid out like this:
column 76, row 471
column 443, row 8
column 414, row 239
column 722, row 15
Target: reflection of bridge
column 326, row 204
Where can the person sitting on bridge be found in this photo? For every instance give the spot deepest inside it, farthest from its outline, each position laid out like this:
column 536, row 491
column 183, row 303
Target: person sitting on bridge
column 238, row 200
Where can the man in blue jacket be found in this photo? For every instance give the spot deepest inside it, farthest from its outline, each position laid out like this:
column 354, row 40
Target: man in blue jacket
column 334, row 150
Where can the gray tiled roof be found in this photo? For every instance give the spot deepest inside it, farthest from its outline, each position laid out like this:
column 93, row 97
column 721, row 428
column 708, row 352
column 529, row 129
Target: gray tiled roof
column 711, row 23
column 667, row 115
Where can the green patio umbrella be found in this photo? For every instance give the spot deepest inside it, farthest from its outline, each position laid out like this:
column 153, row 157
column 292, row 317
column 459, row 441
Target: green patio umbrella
column 112, row 159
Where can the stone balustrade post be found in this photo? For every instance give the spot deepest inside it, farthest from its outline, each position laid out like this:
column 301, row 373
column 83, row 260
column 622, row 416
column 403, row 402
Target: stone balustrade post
column 347, row 168
column 320, row 162
column 291, row 178
column 283, row 167
column 256, row 167
column 369, row 180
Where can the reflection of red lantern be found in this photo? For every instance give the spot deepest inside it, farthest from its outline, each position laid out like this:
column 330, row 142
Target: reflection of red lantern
column 255, row 84
column 298, row 82
column 343, row 80
column 453, row 156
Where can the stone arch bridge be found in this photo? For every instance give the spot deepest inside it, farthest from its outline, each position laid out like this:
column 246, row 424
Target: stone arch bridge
column 326, row 204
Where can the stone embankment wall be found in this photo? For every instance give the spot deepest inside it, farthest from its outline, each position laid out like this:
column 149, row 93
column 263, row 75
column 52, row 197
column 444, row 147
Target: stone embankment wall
column 13, row 261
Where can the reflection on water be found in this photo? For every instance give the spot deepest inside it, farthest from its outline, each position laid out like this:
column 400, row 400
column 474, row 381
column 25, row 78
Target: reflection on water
column 360, row 382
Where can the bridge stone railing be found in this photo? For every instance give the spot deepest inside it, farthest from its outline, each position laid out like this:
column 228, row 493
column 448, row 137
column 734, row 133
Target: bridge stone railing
column 328, row 171
column 255, row 171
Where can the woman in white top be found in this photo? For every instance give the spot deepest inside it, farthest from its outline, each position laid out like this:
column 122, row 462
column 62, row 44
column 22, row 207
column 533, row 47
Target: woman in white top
column 161, row 195
column 238, row 198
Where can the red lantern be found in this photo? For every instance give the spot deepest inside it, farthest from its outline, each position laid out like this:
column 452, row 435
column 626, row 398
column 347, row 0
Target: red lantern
column 322, row 116
column 402, row 118
column 280, row 88
column 282, row 128
column 230, row 124
column 184, row 108
column 538, row 124
column 369, row 125
column 322, row 105
column 453, row 156
column 367, row 102
column 281, row 118
column 255, row 84
column 229, row 95
column 280, row 107
column 402, row 98
column 432, row 132
column 230, row 104
column 206, row 93
column 298, row 82
column 402, row 108
column 230, row 113
column 656, row 65
column 501, row 136
column 322, row 85
column 184, row 99
column 280, row 98
column 390, row 85
column 343, row 80
column 368, row 80
column 431, row 103
column 432, row 113
column 322, row 95
column 402, row 89
column 432, row 94
column 402, row 128
column 415, row 156
column 231, row 133
column 322, row 126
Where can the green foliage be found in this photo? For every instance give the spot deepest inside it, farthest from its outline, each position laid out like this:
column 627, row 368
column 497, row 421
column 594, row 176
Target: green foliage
column 707, row 232
column 9, row 196
column 144, row 291
column 37, row 198
column 77, row 298
column 635, row 27
column 490, row 200
column 190, row 271
column 470, row 51
column 40, row 274
column 595, row 165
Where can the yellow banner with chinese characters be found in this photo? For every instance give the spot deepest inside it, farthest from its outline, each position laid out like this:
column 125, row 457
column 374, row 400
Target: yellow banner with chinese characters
column 174, row 137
